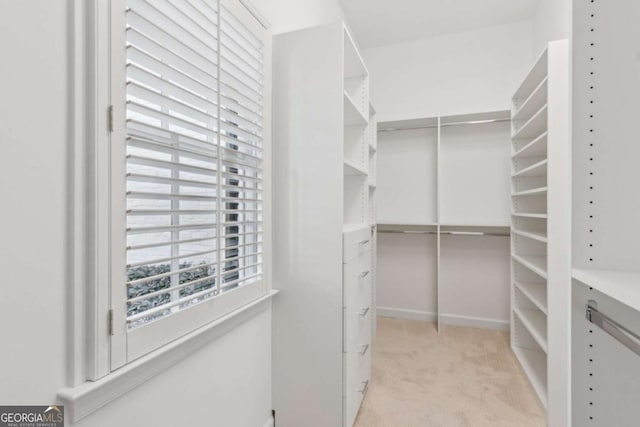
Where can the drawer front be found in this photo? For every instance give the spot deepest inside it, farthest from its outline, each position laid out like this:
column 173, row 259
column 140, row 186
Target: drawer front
column 358, row 375
column 365, row 367
column 357, row 327
column 357, row 283
column 356, row 243
column 350, row 389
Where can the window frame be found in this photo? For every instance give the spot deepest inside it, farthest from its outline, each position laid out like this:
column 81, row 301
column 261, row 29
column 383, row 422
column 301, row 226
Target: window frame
column 99, row 345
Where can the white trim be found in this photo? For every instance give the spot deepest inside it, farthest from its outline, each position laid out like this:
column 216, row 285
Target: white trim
column 87, row 345
column 405, row 313
column 475, row 322
column 447, row 319
column 269, row 422
column 93, row 395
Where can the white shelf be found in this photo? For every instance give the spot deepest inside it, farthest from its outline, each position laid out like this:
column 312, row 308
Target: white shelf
column 351, row 169
column 540, row 236
column 623, row 286
column 535, row 148
column 534, row 364
column 535, row 127
column 537, row 169
column 535, row 263
column 532, row 104
column 410, row 224
column 532, row 192
column 475, row 225
column 352, row 115
column 536, row 292
column 537, row 74
column 536, row 323
column 403, row 226
column 353, row 227
column 530, row 215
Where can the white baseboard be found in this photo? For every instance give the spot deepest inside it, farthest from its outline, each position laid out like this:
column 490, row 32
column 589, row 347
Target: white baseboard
column 475, row 322
column 404, row 313
column 269, row 422
column 447, row 319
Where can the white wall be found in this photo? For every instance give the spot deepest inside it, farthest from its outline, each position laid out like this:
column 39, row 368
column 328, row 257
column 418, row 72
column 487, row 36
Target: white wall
column 33, row 163
column 454, row 73
column 291, row 15
column 406, row 276
column 227, row 383
column 551, row 22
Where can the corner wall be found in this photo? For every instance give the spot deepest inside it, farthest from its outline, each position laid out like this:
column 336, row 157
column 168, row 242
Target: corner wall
column 551, row 22
column 450, row 74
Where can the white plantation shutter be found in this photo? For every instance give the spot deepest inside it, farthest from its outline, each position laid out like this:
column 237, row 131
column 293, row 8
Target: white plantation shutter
column 194, row 168
column 240, row 141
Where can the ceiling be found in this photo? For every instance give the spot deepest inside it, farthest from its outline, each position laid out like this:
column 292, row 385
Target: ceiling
column 382, row 22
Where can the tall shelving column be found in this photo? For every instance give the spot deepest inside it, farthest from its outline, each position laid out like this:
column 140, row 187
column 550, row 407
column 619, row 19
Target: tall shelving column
column 358, row 238
column 540, row 271
column 322, row 232
column 372, row 134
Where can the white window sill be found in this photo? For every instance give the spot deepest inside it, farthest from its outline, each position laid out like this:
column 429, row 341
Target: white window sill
column 90, row 396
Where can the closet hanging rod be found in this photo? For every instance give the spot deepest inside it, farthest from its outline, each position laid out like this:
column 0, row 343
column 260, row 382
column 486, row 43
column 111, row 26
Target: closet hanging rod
column 468, row 122
column 452, row 233
column 613, row 328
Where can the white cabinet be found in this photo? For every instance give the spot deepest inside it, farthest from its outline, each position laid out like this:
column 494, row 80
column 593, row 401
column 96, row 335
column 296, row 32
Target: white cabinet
column 324, row 163
column 358, row 315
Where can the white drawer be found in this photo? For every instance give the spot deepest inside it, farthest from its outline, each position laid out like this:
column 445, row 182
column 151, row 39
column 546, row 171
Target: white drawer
column 357, row 328
column 351, row 393
column 358, row 376
column 357, row 285
column 355, row 243
column 365, row 365
column 357, row 382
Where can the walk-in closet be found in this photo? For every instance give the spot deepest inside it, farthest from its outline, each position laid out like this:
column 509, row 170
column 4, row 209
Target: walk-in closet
column 320, row 213
column 462, row 213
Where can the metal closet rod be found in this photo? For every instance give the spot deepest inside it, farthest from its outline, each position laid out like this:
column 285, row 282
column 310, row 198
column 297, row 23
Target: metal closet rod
column 613, row 328
column 453, row 233
column 469, row 122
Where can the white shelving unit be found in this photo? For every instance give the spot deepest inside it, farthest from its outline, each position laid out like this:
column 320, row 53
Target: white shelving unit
column 540, row 230
column 444, row 185
column 324, row 181
column 606, row 202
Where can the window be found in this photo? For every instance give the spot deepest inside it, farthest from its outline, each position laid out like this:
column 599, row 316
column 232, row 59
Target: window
column 191, row 194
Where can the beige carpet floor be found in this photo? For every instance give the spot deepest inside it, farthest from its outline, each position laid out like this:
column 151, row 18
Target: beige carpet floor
column 460, row 377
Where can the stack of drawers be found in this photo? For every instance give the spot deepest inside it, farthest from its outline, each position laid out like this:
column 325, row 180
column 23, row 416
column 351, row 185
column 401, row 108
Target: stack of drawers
column 357, row 298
